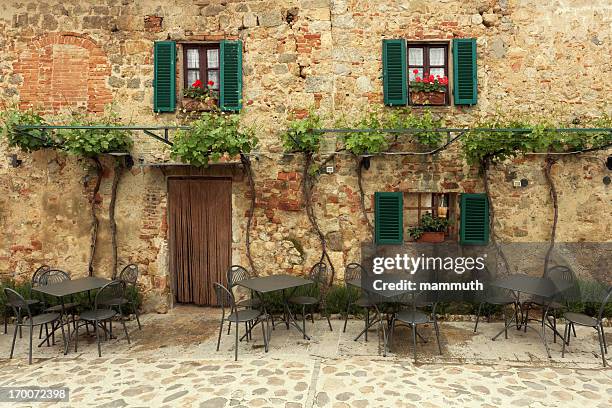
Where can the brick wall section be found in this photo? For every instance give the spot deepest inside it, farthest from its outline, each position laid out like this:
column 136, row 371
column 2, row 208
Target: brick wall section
column 63, row 70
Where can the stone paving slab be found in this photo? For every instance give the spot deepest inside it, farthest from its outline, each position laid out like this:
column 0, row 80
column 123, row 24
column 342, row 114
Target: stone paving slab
column 173, row 362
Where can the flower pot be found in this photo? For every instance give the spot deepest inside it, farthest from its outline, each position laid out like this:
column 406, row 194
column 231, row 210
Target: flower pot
column 428, row 98
column 199, row 105
column 432, row 237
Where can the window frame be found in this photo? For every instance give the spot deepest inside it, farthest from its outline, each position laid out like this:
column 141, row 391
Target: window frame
column 426, row 47
column 203, row 69
column 450, row 198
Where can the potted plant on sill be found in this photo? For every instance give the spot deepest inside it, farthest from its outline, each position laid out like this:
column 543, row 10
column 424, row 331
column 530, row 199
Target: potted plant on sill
column 428, row 90
column 199, row 97
column 430, row 229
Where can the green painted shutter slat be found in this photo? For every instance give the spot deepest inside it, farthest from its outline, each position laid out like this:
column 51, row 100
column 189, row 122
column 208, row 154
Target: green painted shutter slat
column 231, row 75
column 164, row 81
column 474, row 228
column 394, row 72
column 389, row 222
column 465, row 83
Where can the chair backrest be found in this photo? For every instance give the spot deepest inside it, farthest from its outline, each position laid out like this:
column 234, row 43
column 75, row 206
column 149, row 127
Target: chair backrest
column 235, row 274
column 318, row 273
column 225, row 298
column 110, row 291
column 129, row 274
column 38, row 274
column 607, row 298
column 353, row 271
column 53, row 276
column 560, row 273
column 16, row 301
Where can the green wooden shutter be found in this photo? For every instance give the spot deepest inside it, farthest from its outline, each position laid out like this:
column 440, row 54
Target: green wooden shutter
column 231, row 75
column 394, row 72
column 389, row 222
column 465, row 84
column 474, row 219
column 164, row 82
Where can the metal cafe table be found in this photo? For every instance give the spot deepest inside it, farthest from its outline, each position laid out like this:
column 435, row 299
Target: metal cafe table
column 541, row 287
column 273, row 283
column 70, row 287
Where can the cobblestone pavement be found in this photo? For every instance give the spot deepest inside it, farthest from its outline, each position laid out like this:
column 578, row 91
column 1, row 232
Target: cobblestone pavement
column 172, row 362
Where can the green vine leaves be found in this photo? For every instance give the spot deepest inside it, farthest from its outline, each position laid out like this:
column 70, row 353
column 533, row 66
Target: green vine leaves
column 79, row 142
column 211, row 137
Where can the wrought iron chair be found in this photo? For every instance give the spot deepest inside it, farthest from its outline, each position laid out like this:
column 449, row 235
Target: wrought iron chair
column 318, row 274
column 581, row 319
column 558, row 274
column 412, row 316
column 251, row 317
column 129, row 275
column 19, row 305
column 235, row 274
column 354, row 271
column 496, row 297
column 53, row 276
column 31, row 301
column 103, row 312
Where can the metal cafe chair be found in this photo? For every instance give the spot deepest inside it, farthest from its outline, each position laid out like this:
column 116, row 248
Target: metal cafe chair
column 19, row 305
column 248, row 316
column 235, row 274
column 582, row 319
column 103, row 312
column 412, row 316
column 318, row 274
column 50, row 277
column 354, row 271
column 31, row 301
column 128, row 275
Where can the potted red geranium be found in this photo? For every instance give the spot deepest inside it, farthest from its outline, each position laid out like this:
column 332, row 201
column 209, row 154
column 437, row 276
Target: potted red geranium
column 428, row 90
column 200, row 97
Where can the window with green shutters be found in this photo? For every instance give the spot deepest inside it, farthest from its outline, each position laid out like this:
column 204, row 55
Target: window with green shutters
column 164, row 80
column 465, row 83
column 389, row 225
column 394, row 72
column 474, row 229
column 231, row 75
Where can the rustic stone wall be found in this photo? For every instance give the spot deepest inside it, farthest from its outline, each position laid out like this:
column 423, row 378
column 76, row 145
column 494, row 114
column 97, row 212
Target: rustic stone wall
column 550, row 60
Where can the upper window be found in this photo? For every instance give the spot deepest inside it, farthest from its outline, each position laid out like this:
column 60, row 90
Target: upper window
column 427, row 61
column 201, row 62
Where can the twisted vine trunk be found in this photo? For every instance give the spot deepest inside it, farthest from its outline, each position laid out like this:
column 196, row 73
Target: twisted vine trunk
column 550, row 161
column 307, row 185
column 95, row 223
column 111, row 212
column 485, row 174
column 246, row 162
column 362, row 194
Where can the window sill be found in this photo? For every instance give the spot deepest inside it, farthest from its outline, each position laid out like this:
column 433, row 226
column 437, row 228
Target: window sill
column 195, row 105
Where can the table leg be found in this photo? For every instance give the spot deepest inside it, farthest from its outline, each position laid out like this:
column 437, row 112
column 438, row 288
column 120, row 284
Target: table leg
column 290, row 318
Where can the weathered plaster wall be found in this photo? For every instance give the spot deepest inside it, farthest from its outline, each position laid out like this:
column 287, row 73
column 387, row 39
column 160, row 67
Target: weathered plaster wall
column 539, row 58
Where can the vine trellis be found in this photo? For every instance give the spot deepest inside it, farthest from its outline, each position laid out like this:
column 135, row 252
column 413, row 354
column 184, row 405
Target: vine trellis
column 483, row 146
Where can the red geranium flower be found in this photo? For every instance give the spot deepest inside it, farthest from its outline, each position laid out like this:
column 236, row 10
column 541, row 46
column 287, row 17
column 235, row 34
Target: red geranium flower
column 418, row 79
column 415, row 71
column 197, row 84
column 211, row 83
column 431, row 78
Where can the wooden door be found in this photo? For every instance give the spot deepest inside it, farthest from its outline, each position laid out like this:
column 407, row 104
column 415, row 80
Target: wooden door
column 200, row 231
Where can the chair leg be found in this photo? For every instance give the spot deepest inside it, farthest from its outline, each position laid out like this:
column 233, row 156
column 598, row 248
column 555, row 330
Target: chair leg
column 263, row 331
column 516, row 320
column 304, row 320
column 127, row 336
column 603, row 336
column 505, row 322
column 76, row 336
column 220, row 331
column 438, row 335
column 5, row 320
column 414, row 342
column 40, row 332
column 367, row 323
column 526, row 321
column 14, row 338
column 229, row 327
column 328, row 321
column 565, row 336
column 236, row 343
column 97, row 337
column 64, row 342
column 478, row 317
column 47, row 333
column 136, row 313
column 312, row 316
column 603, row 355
column 348, row 306
column 554, row 329
column 31, row 335
column 574, row 329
